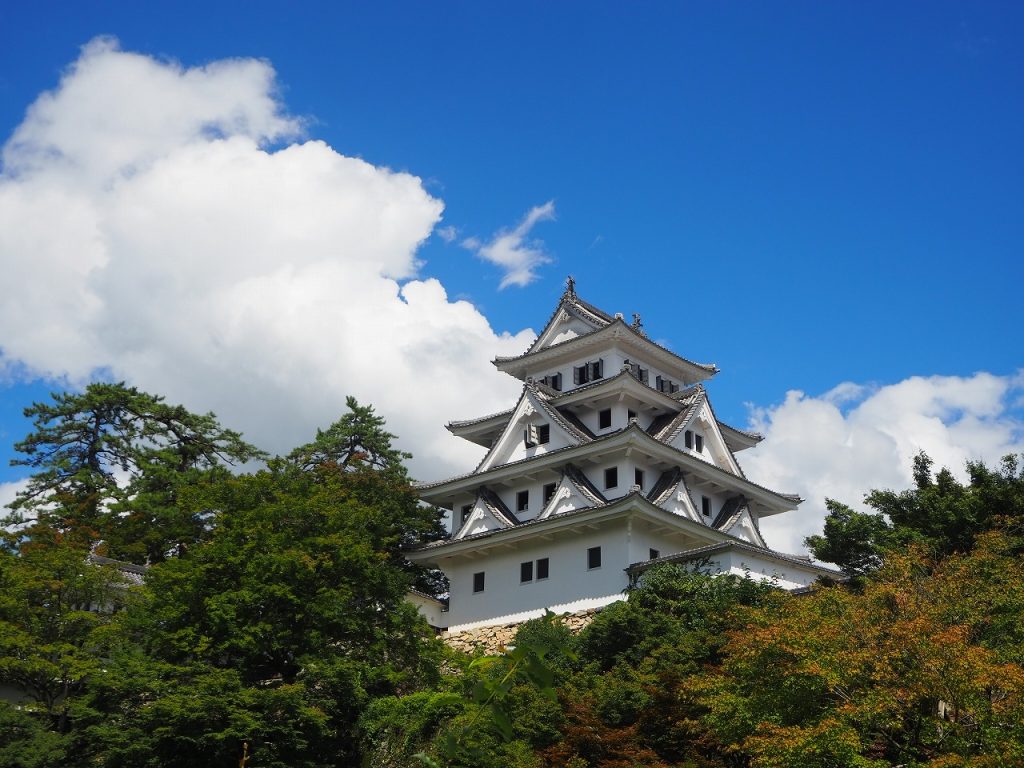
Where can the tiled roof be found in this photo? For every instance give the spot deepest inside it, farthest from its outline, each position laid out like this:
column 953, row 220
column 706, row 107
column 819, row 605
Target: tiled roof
column 586, row 487
column 709, row 367
column 711, row 468
column 669, row 479
column 699, row 552
column 133, row 574
column 497, row 507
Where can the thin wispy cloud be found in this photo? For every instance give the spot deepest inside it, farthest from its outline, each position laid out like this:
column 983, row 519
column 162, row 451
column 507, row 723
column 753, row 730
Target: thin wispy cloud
column 512, row 251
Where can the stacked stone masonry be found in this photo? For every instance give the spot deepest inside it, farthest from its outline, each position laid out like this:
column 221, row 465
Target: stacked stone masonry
column 492, row 639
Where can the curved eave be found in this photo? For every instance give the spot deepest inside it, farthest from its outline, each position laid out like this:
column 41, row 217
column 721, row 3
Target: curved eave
column 687, row 371
column 768, row 502
column 483, row 431
column 486, row 429
column 633, row 503
column 739, row 439
column 733, row 543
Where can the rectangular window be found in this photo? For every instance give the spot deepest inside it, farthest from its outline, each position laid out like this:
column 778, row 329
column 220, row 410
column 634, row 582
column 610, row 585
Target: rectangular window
column 630, row 414
column 522, row 501
column 542, row 568
column 688, row 437
column 654, row 554
column 604, row 418
column 549, row 491
column 638, row 478
column 536, row 434
column 705, row 506
column 467, row 510
column 478, row 581
column 554, row 381
column 588, row 372
column 593, row 558
column 665, row 385
column 611, row 477
column 526, row 572
column 698, row 443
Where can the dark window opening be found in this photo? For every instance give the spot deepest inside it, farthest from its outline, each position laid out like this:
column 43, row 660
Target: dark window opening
column 526, row 571
column 604, row 418
column 665, row 385
column 467, row 510
column 554, row 381
column 549, row 491
column 588, row 372
column 593, row 558
column 478, row 581
column 688, row 437
column 536, row 434
column 522, row 501
column 699, row 443
column 630, row 414
column 654, row 554
column 705, row 506
column 638, row 478
column 542, row 568
column 611, row 477
column 638, row 373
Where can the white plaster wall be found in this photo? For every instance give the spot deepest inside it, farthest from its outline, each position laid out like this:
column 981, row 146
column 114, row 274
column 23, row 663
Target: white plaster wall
column 570, row 583
column 431, row 610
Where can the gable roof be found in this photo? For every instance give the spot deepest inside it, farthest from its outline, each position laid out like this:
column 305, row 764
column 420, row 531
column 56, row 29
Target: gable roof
column 733, row 543
column 771, row 501
column 572, row 306
column 531, row 397
column 494, row 506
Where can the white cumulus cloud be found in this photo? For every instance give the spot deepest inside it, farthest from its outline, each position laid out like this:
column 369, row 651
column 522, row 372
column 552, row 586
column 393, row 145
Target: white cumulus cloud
column 511, row 249
column 855, row 438
column 171, row 227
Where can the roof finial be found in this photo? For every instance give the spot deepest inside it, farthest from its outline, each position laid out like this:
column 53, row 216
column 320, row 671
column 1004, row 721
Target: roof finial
column 570, row 287
column 638, row 324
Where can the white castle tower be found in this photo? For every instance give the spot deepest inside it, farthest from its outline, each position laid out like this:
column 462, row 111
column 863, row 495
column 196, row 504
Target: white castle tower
column 612, row 460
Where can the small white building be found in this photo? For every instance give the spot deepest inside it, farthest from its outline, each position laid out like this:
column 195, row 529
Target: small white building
column 611, row 460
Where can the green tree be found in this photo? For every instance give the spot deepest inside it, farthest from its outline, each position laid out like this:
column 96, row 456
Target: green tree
column 108, row 464
column 275, row 633
column 939, row 513
column 55, row 610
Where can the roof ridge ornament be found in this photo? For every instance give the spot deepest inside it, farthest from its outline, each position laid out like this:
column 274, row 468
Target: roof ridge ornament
column 638, row 324
column 570, row 288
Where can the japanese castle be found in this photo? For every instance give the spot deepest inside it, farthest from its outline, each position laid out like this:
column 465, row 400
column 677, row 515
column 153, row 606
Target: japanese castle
column 612, row 460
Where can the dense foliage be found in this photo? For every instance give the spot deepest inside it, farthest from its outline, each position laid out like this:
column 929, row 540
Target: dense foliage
column 271, row 628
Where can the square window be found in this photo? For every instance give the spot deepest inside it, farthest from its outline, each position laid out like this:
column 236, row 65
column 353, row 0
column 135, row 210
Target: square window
column 543, row 434
column 522, row 501
column 542, row 568
column 549, row 491
column 478, row 581
column 705, row 506
column 526, row 572
column 688, row 437
column 467, row 510
column 611, row 477
column 699, row 444
column 638, row 478
column 593, row 558
column 604, row 418
column 654, row 554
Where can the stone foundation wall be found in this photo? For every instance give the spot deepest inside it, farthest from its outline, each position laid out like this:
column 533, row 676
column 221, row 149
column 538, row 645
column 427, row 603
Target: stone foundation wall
column 493, row 638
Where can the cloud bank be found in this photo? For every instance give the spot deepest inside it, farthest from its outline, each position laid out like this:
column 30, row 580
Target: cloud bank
column 512, row 251
column 855, row 438
column 169, row 226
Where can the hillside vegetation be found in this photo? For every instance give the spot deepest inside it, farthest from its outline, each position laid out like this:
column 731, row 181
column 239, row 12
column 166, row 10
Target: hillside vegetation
column 271, row 627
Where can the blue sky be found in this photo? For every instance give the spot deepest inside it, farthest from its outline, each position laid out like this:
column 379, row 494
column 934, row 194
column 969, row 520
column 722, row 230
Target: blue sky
column 808, row 194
